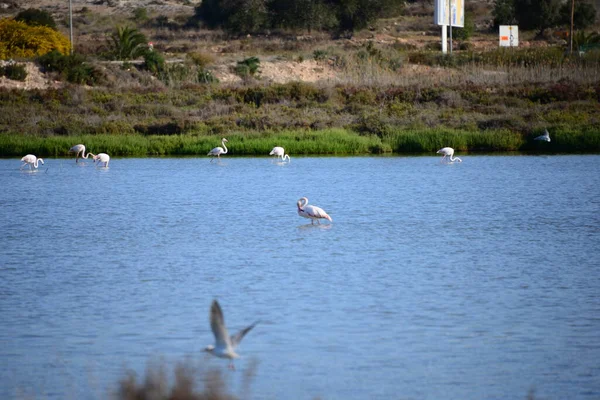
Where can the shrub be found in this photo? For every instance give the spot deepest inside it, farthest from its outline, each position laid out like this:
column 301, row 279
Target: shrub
column 206, row 76
column 201, row 60
column 19, row 40
column 16, row 72
column 154, row 62
column 466, row 32
column 73, row 68
column 140, row 14
column 320, row 55
column 35, row 17
column 248, row 67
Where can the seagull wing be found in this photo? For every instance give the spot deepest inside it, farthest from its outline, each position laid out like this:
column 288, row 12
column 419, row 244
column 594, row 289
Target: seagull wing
column 237, row 338
column 217, row 324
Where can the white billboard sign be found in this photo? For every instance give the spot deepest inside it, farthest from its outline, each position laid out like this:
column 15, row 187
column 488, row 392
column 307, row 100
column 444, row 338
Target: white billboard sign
column 509, row 35
column 440, row 12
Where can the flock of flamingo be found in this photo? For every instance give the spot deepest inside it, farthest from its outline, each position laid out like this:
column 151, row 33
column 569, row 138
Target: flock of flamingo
column 78, row 149
column 311, row 212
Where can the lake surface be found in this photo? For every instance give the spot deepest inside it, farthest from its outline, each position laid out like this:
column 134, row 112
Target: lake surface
column 478, row 280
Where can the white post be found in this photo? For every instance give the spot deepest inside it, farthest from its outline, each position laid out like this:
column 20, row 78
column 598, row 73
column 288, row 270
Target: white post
column 71, row 25
column 444, row 39
column 450, row 22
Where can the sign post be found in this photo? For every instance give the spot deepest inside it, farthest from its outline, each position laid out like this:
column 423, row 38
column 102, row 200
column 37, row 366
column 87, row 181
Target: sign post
column 509, row 36
column 448, row 13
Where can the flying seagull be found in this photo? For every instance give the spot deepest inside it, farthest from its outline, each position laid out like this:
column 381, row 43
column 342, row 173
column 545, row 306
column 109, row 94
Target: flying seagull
column 225, row 345
column 545, row 137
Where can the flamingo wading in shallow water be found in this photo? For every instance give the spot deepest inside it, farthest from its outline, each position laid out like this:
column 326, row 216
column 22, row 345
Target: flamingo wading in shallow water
column 312, row 212
column 545, row 137
column 79, row 149
column 280, row 152
column 225, row 345
column 448, row 152
column 102, row 158
column 217, row 151
column 32, row 161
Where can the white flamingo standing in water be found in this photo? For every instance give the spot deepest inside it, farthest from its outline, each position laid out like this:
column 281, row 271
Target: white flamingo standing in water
column 225, row 345
column 312, row 212
column 280, row 152
column 448, row 152
column 217, row 151
column 79, row 149
column 32, row 161
column 102, row 158
column 545, row 137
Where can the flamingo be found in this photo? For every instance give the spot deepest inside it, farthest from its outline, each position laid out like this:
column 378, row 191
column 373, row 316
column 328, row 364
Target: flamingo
column 545, row 137
column 102, row 158
column 279, row 152
column 79, row 148
column 225, row 345
column 448, row 152
column 217, row 151
column 312, row 212
column 32, row 161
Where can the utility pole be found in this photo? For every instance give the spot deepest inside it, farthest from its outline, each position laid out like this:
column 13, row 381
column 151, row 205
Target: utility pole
column 450, row 22
column 71, row 25
column 571, row 32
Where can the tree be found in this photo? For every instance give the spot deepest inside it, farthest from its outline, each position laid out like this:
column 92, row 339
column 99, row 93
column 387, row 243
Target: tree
column 466, row 32
column 35, row 17
column 585, row 14
column 247, row 16
column 302, row 14
column 504, row 13
column 127, row 43
column 537, row 14
column 213, row 13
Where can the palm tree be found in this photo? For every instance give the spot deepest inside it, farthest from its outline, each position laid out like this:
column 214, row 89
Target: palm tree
column 584, row 41
column 127, row 43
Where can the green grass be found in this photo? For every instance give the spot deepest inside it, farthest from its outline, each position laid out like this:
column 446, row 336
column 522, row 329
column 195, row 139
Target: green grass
column 305, row 142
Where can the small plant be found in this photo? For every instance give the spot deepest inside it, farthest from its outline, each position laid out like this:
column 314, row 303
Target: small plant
column 248, row 67
column 201, row 60
column 206, row 76
column 320, row 55
column 154, row 62
column 140, row 14
column 16, row 72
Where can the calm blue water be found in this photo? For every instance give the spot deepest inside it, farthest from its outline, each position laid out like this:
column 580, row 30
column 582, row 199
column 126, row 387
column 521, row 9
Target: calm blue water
column 478, row 280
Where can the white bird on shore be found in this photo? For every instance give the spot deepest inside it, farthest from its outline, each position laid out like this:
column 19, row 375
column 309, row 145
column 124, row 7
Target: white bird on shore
column 225, row 345
column 217, row 151
column 312, row 212
column 448, row 152
column 102, row 158
column 79, row 149
column 279, row 152
column 545, row 137
column 32, row 161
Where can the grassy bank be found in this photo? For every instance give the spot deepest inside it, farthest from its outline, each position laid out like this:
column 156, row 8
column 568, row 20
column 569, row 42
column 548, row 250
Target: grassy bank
column 304, row 142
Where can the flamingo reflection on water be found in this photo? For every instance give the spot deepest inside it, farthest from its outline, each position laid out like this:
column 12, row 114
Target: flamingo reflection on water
column 280, row 152
column 217, row 151
column 32, row 161
column 79, row 149
column 312, row 212
column 448, row 152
